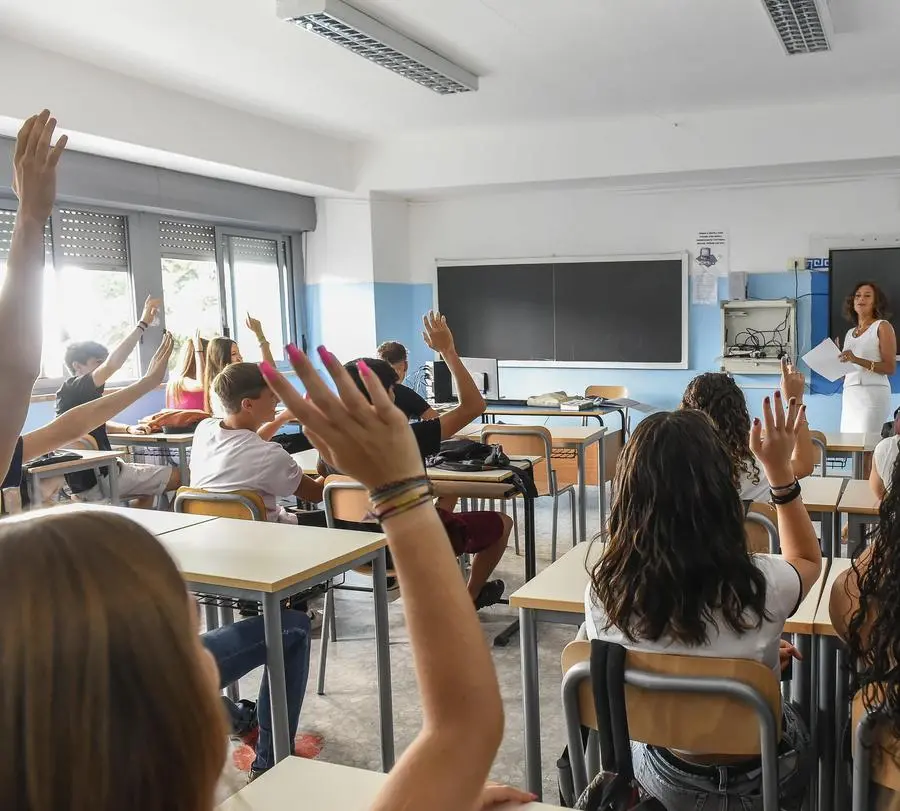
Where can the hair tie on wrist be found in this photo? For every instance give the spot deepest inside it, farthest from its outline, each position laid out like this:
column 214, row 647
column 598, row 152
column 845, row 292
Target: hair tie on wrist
column 785, row 495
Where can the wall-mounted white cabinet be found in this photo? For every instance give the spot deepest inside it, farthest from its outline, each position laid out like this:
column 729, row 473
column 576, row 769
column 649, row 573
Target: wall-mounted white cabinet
column 756, row 334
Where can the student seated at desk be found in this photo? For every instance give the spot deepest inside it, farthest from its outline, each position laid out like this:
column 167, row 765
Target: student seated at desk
column 229, row 454
column 90, row 366
column 78, row 421
column 718, row 396
column 482, row 534
column 410, row 403
column 865, row 611
column 677, row 578
column 185, row 389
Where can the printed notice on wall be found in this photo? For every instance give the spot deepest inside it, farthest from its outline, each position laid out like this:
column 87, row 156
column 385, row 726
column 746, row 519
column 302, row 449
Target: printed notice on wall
column 711, row 253
column 704, row 287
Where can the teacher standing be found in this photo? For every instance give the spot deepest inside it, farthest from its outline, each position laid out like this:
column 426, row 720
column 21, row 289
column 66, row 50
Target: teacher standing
column 872, row 347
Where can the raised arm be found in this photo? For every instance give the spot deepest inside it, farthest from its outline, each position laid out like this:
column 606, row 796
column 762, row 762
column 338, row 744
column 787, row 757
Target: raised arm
column 269, row 430
column 773, row 442
column 445, row 767
column 126, row 346
column 471, row 404
column 34, row 182
column 81, row 420
column 793, row 385
column 254, row 325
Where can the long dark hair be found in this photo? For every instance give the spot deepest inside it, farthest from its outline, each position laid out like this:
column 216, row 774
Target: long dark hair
column 719, row 397
column 218, row 356
column 880, row 305
column 677, row 556
column 873, row 635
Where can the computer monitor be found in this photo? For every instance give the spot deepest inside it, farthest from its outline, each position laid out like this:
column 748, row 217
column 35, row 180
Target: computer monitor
column 483, row 370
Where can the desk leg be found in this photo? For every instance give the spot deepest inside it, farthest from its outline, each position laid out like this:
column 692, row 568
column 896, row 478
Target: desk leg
column 601, row 476
column 113, row 483
column 275, row 664
column 856, row 530
column 827, row 524
column 383, row 661
column 531, row 701
column 582, row 496
column 826, row 722
column 842, row 704
column 858, row 464
column 801, row 680
column 502, row 639
column 183, row 468
column 33, row 490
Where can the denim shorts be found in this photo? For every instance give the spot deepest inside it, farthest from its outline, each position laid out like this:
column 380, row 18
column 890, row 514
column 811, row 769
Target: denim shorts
column 682, row 786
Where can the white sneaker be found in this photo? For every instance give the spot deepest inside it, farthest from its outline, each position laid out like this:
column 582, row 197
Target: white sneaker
column 315, row 619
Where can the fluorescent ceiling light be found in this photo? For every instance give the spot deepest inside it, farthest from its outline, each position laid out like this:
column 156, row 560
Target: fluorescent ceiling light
column 804, row 26
column 364, row 35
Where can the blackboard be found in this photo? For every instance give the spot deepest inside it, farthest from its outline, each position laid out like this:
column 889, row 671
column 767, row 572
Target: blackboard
column 849, row 267
column 618, row 312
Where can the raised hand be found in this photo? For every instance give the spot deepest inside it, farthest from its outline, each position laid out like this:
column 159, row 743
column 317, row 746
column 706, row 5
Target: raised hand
column 370, row 441
column 792, row 382
column 437, row 334
column 34, row 166
column 151, row 309
column 772, row 439
column 156, row 371
column 255, row 326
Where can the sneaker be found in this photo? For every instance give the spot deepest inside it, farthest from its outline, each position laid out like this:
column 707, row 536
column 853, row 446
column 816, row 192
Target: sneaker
column 315, row 619
column 490, row 594
column 393, row 589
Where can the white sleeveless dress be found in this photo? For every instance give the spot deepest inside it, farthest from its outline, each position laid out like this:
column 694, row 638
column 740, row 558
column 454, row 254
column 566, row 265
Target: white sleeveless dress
column 866, row 402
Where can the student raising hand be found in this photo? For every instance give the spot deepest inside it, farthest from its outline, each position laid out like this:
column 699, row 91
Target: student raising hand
column 446, row 766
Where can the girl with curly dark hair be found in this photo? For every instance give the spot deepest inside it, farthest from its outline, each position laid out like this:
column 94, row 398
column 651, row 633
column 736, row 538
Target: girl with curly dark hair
column 719, row 397
column 677, row 578
column 865, row 611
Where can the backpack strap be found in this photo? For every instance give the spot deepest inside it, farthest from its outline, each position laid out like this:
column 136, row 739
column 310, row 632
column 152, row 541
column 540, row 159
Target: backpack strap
column 599, row 684
column 618, row 713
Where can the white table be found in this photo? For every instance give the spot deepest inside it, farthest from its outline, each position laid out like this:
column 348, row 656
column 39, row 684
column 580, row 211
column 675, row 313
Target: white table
column 858, row 445
column 90, row 460
column 180, row 442
column 155, row 522
column 259, row 560
column 312, row 784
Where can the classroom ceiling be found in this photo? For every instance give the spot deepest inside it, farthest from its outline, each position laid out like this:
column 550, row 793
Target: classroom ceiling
column 540, row 60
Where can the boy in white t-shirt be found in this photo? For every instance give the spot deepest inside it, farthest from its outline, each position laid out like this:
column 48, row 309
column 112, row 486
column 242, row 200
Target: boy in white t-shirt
column 228, row 453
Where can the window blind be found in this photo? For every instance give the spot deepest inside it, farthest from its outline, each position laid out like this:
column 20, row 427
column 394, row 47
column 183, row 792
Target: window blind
column 7, row 223
column 249, row 249
column 186, row 240
column 92, row 241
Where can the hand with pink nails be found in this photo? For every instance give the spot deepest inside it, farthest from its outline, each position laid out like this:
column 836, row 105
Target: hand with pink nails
column 772, row 440
column 370, row 441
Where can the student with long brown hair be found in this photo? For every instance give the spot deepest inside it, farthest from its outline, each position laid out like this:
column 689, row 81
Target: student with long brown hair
column 185, row 388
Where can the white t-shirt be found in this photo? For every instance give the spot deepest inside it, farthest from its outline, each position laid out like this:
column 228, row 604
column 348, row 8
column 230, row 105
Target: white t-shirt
column 783, row 590
column 885, row 457
column 225, row 459
column 754, row 492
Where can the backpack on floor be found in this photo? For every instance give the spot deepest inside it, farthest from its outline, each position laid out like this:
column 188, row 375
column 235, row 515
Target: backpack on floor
column 615, row 787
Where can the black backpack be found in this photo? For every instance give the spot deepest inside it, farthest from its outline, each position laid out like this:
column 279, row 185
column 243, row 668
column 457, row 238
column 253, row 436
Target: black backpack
column 469, row 455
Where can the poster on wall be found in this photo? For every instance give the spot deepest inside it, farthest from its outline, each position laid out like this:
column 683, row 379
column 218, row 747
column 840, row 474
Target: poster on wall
column 711, row 252
column 704, row 287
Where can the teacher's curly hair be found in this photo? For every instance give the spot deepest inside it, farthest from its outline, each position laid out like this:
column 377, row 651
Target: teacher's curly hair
column 880, row 309
column 718, row 396
column 873, row 635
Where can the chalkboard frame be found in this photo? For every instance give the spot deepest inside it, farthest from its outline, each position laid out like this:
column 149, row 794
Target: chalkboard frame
column 679, row 256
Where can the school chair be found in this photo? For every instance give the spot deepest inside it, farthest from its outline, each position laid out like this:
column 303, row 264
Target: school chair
column 245, row 505
column 535, row 440
column 609, row 393
column 761, row 528
column 818, row 440
column 688, row 703
column 876, row 755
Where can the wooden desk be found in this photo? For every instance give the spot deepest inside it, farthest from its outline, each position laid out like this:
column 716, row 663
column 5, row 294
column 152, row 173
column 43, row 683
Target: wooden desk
column 855, row 444
column 860, row 504
column 180, row 442
column 324, row 787
column 557, row 594
column 579, row 439
column 156, row 522
column 260, row 560
column 90, row 460
column 822, row 624
column 821, row 495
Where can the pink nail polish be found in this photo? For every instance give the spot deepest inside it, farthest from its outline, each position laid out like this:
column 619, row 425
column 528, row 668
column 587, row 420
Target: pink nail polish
column 364, row 369
column 324, row 354
column 293, row 353
column 267, row 371
column 756, row 420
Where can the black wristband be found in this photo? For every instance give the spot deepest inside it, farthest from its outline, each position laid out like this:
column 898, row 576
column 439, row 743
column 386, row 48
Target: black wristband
column 143, row 326
column 780, row 499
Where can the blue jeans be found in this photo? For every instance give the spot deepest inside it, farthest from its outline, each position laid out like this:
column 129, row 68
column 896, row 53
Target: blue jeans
column 241, row 647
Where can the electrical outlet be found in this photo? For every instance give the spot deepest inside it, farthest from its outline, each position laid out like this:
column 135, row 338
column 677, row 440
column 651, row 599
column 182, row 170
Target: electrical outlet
column 800, row 263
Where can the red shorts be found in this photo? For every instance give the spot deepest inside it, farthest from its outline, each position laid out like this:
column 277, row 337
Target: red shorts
column 472, row 532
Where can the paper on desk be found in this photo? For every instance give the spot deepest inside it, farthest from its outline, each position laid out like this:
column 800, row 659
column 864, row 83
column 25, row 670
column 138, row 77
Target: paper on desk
column 825, row 359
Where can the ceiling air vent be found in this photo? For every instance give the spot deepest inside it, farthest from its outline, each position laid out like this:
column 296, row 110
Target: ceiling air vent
column 804, row 26
column 373, row 40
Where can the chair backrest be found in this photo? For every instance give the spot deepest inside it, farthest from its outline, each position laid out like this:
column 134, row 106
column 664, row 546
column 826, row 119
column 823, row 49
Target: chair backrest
column 345, row 500
column 818, row 441
column 525, row 440
column 884, row 753
column 609, row 392
column 707, row 717
column 247, row 505
column 761, row 529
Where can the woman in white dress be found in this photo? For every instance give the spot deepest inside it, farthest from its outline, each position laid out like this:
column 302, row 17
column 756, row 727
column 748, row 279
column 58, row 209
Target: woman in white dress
column 871, row 346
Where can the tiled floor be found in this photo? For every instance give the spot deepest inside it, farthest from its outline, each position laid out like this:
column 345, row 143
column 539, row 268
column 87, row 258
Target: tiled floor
column 347, row 715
